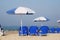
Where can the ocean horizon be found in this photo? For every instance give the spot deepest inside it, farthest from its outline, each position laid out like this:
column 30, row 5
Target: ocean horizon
column 10, row 28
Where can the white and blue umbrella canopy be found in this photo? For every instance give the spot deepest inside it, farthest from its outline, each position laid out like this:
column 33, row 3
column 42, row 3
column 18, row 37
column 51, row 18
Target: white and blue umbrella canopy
column 58, row 21
column 41, row 19
column 21, row 11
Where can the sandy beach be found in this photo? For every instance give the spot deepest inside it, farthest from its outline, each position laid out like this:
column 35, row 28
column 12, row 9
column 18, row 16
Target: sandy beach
column 13, row 35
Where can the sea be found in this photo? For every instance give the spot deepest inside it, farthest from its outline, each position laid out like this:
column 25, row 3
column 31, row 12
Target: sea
column 10, row 28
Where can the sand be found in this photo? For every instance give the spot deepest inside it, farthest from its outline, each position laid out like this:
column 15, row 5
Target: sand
column 13, row 35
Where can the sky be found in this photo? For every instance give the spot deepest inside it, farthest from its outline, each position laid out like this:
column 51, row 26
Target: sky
column 46, row 8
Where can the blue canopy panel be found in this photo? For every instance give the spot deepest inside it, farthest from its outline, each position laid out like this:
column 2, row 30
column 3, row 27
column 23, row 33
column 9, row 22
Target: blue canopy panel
column 44, row 30
column 33, row 30
column 12, row 11
column 58, row 30
column 23, row 30
column 52, row 30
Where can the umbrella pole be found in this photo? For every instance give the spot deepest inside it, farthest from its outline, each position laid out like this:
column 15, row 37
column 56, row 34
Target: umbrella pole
column 41, row 24
column 21, row 27
column 21, row 22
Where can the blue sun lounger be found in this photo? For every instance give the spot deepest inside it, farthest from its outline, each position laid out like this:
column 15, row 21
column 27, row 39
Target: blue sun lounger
column 58, row 30
column 52, row 30
column 23, row 30
column 33, row 30
column 43, row 30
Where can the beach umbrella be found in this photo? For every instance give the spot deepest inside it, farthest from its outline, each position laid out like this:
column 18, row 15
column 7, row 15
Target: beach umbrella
column 21, row 11
column 58, row 28
column 58, row 21
column 40, row 19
